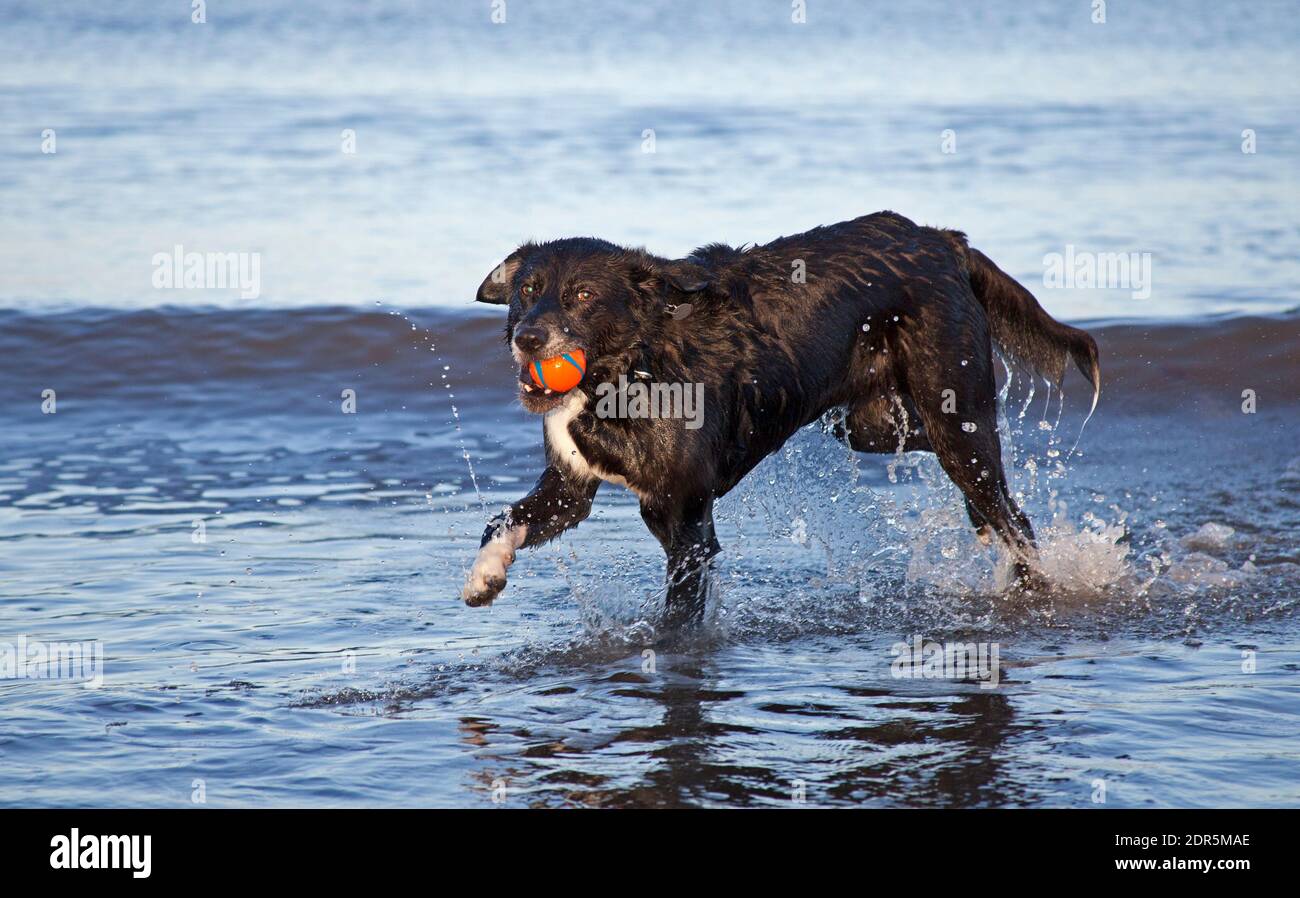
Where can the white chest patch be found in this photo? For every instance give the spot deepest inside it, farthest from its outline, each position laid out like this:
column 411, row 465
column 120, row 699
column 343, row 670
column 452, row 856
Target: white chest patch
column 564, row 451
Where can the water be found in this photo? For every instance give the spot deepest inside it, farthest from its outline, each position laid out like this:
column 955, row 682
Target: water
column 471, row 137
column 311, row 649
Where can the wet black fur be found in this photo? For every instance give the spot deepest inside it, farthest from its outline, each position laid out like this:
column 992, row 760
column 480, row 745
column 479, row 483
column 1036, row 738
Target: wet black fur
column 775, row 354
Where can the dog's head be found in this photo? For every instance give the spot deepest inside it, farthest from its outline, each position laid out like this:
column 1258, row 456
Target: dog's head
column 588, row 294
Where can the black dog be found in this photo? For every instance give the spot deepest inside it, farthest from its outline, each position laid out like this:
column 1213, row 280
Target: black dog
column 890, row 323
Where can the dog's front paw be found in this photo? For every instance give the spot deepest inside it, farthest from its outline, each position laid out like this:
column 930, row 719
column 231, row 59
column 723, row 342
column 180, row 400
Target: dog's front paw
column 488, row 576
column 480, row 591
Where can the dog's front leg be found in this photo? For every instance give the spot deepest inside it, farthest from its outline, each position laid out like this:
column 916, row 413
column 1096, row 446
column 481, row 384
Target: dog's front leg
column 685, row 530
column 558, row 501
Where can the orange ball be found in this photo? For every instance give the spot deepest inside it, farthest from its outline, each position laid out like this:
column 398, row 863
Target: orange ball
column 560, row 373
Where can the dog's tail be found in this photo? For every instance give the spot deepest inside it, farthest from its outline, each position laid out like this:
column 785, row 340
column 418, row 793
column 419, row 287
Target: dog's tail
column 1025, row 331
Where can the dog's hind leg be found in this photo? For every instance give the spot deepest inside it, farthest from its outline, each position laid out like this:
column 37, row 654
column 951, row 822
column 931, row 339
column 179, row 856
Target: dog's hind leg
column 962, row 428
column 685, row 530
column 974, row 464
column 881, row 424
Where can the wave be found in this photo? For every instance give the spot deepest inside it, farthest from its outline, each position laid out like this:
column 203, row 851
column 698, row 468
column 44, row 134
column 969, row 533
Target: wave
column 183, row 354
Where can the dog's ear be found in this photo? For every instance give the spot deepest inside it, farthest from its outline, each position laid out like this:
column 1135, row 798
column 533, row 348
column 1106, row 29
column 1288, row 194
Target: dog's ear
column 495, row 288
column 680, row 277
column 686, row 278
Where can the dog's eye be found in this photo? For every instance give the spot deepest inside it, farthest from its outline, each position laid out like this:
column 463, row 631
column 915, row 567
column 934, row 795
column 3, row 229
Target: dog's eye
column 584, row 295
column 527, row 290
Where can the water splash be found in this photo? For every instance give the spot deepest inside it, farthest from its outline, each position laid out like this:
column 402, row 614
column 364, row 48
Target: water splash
column 430, row 343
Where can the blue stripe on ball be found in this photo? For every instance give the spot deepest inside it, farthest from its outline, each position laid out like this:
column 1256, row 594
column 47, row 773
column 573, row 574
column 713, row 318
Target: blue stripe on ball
column 541, row 378
column 568, row 358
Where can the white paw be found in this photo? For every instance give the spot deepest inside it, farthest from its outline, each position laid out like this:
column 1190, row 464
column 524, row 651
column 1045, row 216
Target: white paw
column 488, row 576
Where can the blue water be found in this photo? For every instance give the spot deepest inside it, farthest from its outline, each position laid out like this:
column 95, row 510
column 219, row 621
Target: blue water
column 471, row 137
column 312, row 649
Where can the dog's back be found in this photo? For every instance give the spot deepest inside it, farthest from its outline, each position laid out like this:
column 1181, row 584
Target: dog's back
column 885, row 264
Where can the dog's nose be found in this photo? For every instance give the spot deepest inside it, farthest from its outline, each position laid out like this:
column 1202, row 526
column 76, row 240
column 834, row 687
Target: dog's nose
column 530, row 339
